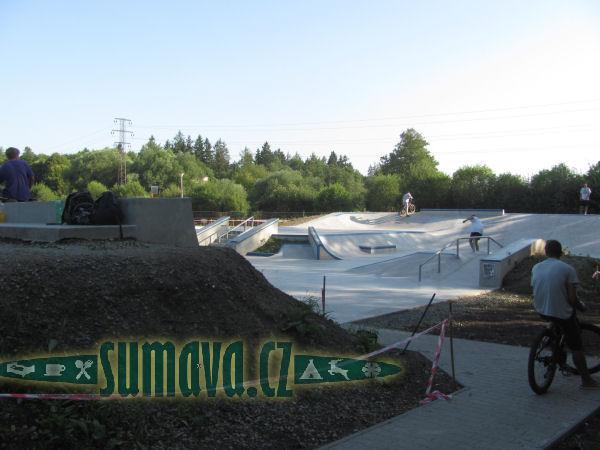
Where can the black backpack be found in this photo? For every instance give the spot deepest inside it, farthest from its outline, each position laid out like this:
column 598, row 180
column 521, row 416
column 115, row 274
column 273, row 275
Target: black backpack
column 78, row 209
column 107, row 210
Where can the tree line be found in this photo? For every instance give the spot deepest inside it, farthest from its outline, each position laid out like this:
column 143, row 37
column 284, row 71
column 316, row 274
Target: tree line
column 269, row 180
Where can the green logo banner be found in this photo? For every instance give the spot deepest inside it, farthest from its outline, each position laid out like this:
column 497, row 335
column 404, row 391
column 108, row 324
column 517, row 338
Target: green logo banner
column 79, row 369
column 210, row 368
column 319, row 369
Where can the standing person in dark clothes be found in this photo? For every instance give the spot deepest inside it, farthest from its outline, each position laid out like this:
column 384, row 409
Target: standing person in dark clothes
column 17, row 175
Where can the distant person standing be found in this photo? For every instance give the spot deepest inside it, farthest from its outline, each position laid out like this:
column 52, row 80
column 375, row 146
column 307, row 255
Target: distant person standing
column 17, row 175
column 584, row 199
column 406, row 199
column 476, row 230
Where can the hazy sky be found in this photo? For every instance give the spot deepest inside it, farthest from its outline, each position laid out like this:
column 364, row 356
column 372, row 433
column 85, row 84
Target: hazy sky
column 511, row 84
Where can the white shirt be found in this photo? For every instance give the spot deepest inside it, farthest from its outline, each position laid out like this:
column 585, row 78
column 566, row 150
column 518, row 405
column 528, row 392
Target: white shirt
column 585, row 193
column 476, row 225
column 550, row 295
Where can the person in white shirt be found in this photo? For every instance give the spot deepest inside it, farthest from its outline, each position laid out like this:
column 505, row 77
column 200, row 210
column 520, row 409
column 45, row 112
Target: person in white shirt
column 476, row 230
column 406, row 200
column 584, row 199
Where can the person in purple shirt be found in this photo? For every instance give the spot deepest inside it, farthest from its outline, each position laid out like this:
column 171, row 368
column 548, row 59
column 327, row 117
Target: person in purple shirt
column 17, row 175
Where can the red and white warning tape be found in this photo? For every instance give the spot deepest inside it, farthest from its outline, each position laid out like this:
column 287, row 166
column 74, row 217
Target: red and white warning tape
column 431, row 396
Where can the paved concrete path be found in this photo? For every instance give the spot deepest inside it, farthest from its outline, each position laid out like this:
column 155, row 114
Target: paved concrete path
column 495, row 410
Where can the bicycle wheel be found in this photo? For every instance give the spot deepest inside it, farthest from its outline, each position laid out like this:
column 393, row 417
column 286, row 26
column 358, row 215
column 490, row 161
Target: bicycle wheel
column 402, row 212
column 541, row 366
column 590, row 336
column 411, row 209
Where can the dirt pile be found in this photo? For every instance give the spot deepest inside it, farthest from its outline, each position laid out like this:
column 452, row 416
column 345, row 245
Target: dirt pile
column 73, row 296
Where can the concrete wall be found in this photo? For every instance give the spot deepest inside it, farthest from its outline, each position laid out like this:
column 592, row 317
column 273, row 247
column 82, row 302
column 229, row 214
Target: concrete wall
column 29, row 212
column 252, row 239
column 153, row 220
column 161, row 220
column 493, row 269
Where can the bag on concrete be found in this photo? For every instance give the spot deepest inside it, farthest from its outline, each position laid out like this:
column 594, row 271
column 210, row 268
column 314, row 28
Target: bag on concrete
column 107, row 210
column 78, row 209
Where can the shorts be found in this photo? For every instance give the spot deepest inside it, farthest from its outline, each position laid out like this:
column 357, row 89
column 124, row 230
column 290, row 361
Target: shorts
column 475, row 233
column 584, row 202
column 570, row 327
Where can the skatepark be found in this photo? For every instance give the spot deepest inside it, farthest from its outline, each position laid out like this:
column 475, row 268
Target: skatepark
column 373, row 259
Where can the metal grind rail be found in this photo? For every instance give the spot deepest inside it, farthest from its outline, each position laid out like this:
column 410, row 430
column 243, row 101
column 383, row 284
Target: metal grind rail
column 224, row 236
column 248, row 223
column 439, row 252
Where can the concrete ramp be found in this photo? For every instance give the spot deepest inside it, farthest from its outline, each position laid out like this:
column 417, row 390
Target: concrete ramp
column 361, row 284
column 352, row 245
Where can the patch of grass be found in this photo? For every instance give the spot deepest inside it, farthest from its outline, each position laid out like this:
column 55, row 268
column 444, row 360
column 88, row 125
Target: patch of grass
column 271, row 246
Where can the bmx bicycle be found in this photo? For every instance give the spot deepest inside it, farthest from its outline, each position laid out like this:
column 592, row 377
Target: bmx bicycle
column 411, row 209
column 549, row 352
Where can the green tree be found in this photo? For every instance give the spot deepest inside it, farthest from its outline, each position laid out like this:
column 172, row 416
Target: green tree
column 383, row 192
column 99, row 165
column 220, row 195
column 511, row 193
column 247, row 175
column 410, row 159
column 284, row 190
column 96, row 188
column 472, row 186
column 56, row 166
column 43, row 193
column 334, row 198
column 556, row 190
column 131, row 189
column 221, row 161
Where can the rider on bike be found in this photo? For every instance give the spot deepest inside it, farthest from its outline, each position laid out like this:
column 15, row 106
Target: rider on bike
column 555, row 299
column 406, row 199
column 18, row 177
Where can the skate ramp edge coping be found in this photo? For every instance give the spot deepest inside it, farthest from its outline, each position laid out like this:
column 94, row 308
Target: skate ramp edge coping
column 494, row 268
column 463, row 212
column 319, row 250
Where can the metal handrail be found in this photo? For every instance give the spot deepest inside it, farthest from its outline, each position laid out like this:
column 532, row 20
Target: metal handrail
column 218, row 240
column 251, row 218
column 439, row 252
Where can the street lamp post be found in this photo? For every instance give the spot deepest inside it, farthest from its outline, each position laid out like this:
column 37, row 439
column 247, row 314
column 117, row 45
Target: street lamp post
column 181, row 182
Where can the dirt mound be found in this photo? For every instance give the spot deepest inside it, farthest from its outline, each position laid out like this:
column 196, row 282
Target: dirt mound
column 74, row 296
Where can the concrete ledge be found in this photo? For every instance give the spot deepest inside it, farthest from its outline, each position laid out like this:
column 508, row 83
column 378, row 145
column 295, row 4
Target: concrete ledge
column 464, row 212
column 252, row 239
column 210, row 233
column 493, row 268
column 153, row 220
column 378, row 249
column 52, row 233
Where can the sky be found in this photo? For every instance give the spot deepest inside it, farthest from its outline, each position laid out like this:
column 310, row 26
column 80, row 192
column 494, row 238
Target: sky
column 511, row 84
